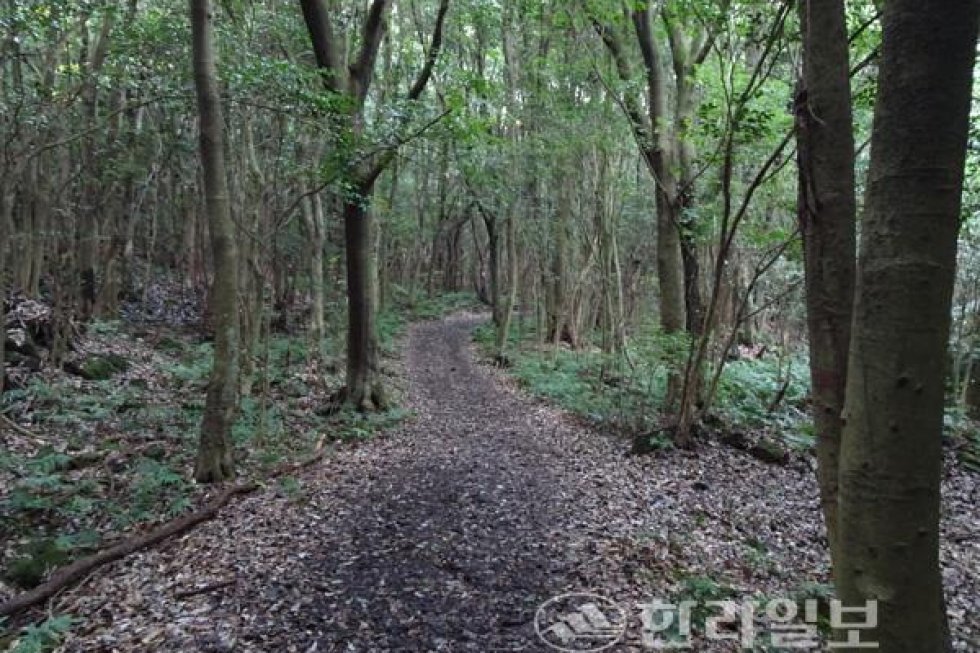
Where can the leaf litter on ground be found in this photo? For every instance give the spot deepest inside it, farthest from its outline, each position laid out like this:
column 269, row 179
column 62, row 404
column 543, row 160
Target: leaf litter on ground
column 450, row 532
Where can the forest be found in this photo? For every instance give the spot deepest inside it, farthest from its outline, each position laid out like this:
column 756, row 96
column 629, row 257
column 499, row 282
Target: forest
column 489, row 325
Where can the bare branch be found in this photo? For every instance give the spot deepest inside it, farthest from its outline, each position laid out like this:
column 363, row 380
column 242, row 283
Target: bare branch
column 629, row 104
column 434, row 48
column 361, row 71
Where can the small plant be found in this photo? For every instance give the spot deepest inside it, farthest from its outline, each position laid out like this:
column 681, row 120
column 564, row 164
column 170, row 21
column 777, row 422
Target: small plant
column 48, row 461
column 194, row 366
column 34, row 560
column 159, row 489
column 45, row 636
column 170, row 345
column 822, row 594
column 645, row 443
column 749, row 386
column 290, row 487
column 105, row 327
column 703, row 590
column 757, row 555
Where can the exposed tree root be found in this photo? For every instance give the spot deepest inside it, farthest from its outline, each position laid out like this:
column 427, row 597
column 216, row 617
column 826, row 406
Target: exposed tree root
column 76, row 571
column 368, row 402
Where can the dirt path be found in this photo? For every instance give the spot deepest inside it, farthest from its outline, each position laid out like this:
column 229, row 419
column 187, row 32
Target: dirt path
column 448, row 534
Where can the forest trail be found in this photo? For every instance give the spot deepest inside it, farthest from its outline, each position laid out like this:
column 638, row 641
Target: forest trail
column 444, row 535
column 449, row 532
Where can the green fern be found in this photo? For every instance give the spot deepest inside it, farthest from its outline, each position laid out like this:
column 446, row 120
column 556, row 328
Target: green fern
column 45, row 636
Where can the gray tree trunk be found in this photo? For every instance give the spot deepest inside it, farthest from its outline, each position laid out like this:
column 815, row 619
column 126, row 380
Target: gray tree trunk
column 890, row 464
column 826, row 209
column 214, row 457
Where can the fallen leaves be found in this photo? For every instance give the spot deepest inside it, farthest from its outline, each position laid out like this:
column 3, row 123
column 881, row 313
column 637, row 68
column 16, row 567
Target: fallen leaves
column 448, row 534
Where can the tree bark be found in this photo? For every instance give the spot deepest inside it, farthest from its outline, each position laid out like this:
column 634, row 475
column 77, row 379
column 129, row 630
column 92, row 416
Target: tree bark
column 315, row 229
column 507, row 309
column 364, row 389
column 890, row 464
column 214, row 457
column 493, row 263
column 6, row 213
column 826, row 210
column 558, row 305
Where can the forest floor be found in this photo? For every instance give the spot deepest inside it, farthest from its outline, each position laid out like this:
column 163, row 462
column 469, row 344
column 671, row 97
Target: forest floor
column 449, row 532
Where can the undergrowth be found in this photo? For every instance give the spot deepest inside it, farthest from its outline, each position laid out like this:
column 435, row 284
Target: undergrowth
column 626, row 390
column 37, row 638
column 765, row 395
column 119, row 452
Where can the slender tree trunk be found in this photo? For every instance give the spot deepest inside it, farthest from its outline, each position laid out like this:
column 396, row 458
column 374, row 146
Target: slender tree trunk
column 619, row 300
column 315, row 225
column 826, row 208
column 685, row 114
column 670, row 279
column 558, row 286
column 493, row 258
column 507, row 309
column 6, row 214
column 891, row 456
column 248, row 174
column 214, row 457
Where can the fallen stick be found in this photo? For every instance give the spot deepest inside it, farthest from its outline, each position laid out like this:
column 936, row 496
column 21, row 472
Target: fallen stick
column 968, row 537
column 186, row 594
column 77, row 570
column 17, row 428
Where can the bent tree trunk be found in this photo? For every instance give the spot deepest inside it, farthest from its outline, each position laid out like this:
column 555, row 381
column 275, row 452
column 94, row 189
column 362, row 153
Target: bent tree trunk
column 214, row 456
column 365, row 390
column 826, row 209
column 890, row 464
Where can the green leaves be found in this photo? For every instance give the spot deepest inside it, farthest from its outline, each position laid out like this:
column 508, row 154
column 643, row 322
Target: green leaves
column 44, row 637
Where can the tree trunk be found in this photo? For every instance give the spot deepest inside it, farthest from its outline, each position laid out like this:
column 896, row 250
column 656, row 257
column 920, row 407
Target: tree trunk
column 890, row 464
column 507, row 309
column 671, row 283
column 6, row 213
column 315, row 226
column 214, row 457
column 826, row 209
column 364, row 389
column 558, row 284
column 493, row 258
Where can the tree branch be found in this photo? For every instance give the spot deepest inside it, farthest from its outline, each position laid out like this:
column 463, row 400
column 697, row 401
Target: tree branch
column 641, row 125
column 323, row 41
column 388, row 152
column 361, row 71
column 434, row 48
